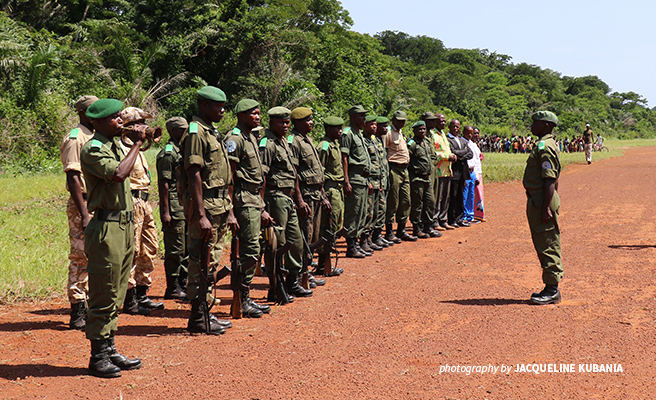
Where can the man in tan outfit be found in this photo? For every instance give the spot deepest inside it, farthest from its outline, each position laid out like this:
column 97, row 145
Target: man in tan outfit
column 145, row 231
column 76, row 211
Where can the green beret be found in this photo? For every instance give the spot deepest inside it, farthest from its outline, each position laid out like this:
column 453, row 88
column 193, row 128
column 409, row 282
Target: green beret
column 358, row 109
column 370, row 118
column 279, row 112
column 301, row 113
column 428, row 115
column 418, row 124
column 382, row 120
column 400, row 115
column 84, row 102
column 545, row 116
column 333, row 121
column 104, row 108
column 176, row 122
column 246, row 105
column 212, row 93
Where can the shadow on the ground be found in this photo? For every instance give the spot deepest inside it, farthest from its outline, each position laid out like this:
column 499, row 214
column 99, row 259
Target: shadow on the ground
column 33, row 325
column 149, row 330
column 486, row 302
column 631, row 246
column 11, row 372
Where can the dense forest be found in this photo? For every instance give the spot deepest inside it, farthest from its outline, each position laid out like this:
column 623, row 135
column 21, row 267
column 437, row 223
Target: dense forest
column 155, row 54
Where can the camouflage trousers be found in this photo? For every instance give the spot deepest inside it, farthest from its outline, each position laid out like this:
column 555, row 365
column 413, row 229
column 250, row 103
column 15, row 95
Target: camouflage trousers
column 78, row 279
column 145, row 245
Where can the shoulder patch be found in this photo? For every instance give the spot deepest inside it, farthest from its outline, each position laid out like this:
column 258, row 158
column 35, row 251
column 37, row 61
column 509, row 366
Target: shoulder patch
column 236, row 131
column 325, row 146
column 168, row 148
column 541, row 145
column 193, row 127
column 74, row 133
column 231, row 146
column 546, row 165
column 290, row 139
column 263, row 142
column 95, row 143
column 389, row 128
column 346, row 130
column 411, row 142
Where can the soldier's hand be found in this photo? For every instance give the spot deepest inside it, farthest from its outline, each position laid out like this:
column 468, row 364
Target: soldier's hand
column 304, row 209
column 266, row 219
column 138, row 134
column 546, row 215
column 166, row 219
column 205, row 227
column 325, row 204
column 370, row 189
column 85, row 220
column 453, row 157
column 347, row 189
column 232, row 222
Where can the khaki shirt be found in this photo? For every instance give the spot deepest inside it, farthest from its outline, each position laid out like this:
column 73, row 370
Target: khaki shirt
column 543, row 162
column 442, row 152
column 201, row 145
column 100, row 158
column 359, row 163
column 375, row 173
column 397, row 148
column 330, row 156
column 168, row 161
column 277, row 164
column 421, row 164
column 308, row 166
column 70, row 151
column 249, row 175
column 140, row 174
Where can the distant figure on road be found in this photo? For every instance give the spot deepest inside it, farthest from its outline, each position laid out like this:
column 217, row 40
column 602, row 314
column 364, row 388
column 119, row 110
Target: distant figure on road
column 587, row 142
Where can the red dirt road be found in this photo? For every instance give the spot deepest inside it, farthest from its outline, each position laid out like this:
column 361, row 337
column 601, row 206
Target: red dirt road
column 392, row 323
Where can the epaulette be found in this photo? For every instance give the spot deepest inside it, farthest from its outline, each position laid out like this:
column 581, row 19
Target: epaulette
column 236, row 131
column 325, row 146
column 95, row 143
column 263, row 142
column 74, row 133
column 411, row 142
column 389, row 128
column 347, row 130
column 290, row 139
column 168, row 148
column 541, row 145
column 193, row 127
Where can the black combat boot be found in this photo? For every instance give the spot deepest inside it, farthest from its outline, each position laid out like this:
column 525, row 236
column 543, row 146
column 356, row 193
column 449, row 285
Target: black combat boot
column 352, row 250
column 324, row 263
column 247, row 308
column 373, row 246
column 196, row 323
column 403, row 235
column 120, row 360
column 416, row 231
column 262, row 307
column 131, row 306
column 315, row 281
column 292, row 286
column 549, row 295
column 364, row 245
column 145, row 302
column 389, row 235
column 173, row 289
column 431, row 232
column 78, row 316
column 99, row 364
column 377, row 239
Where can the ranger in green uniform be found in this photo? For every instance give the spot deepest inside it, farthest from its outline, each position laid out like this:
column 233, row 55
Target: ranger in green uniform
column 206, row 198
column 382, row 127
column 541, row 184
column 330, row 156
column 421, row 185
column 280, row 182
column 357, row 165
column 174, row 225
column 245, row 218
column 375, row 180
column 431, row 121
column 109, row 237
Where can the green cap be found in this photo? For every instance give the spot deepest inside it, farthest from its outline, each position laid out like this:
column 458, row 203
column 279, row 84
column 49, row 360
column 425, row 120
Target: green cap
column 545, row 116
column 279, row 112
column 428, row 115
column 104, row 108
column 176, row 122
column 357, row 109
column 301, row 113
column 400, row 115
column 382, row 120
column 212, row 93
column 333, row 121
column 246, row 105
column 370, row 118
column 418, row 124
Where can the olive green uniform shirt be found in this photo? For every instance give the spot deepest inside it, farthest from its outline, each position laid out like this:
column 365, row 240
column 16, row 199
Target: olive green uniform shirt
column 168, row 161
column 543, row 162
column 359, row 163
column 306, row 160
column 330, row 156
column 375, row 173
column 277, row 164
column 249, row 176
column 421, row 163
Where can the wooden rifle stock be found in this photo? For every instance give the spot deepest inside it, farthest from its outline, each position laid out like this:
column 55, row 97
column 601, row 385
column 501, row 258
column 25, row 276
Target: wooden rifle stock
column 235, row 278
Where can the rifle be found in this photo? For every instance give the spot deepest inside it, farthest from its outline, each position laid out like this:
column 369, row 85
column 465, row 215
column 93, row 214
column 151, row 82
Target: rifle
column 310, row 248
column 331, row 238
column 238, row 269
column 208, row 279
column 273, row 262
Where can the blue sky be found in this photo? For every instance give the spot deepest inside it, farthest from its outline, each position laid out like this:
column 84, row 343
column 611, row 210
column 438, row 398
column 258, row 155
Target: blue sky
column 615, row 41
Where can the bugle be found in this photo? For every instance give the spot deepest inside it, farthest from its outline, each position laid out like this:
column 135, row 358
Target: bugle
column 153, row 134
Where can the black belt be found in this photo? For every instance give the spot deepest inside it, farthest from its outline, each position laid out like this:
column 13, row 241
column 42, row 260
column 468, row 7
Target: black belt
column 286, row 191
column 219, row 193
column 114, row 215
column 140, row 194
column 397, row 165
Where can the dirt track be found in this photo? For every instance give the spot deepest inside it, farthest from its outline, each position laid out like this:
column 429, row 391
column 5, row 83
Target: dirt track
column 386, row 327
